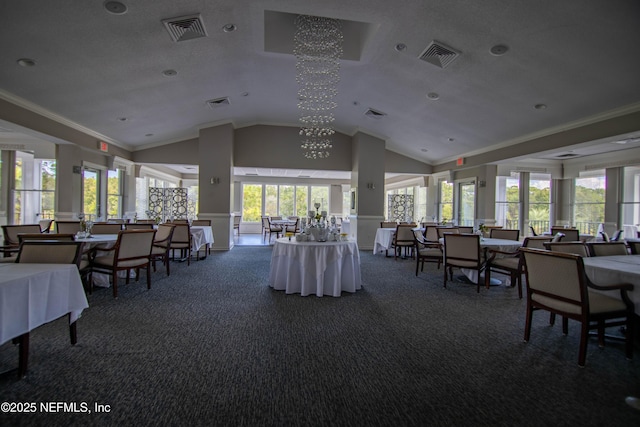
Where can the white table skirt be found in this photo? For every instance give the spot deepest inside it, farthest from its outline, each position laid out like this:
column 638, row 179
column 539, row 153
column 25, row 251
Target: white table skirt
column 34, row 294
column 320, row 268
column 611, row 270
column 200, row 235
column 384, row 239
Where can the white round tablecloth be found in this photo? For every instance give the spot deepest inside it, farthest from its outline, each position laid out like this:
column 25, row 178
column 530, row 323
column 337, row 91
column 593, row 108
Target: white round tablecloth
column 320, row 268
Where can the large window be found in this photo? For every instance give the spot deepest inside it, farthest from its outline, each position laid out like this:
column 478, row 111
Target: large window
column 508, row 201
column 445, row 201
column 630, row 210
column 320, row 195
column 35, row 184
column 91, row 194
column 539, row 202
column 588, row 206
column 281, row 200
column 302, row 200
column 251, row 202
column 114, row 193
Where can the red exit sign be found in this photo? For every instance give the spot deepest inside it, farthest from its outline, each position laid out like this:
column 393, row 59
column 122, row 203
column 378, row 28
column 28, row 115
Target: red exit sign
column 103, row 146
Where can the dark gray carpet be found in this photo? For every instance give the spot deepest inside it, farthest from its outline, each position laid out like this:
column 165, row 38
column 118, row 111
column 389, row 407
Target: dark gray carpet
column 214, row 345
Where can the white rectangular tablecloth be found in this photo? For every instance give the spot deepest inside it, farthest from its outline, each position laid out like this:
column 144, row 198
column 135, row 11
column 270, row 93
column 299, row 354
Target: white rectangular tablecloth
column 321, row 268
column 34, row 294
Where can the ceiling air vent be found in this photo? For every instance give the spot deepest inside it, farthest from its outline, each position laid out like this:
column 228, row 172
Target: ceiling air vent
column 185, row 28
column 215, row 103
column 374, row 114
column 567, row 156
column 439, row 54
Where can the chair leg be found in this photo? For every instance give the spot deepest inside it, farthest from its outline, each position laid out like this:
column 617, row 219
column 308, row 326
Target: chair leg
column 565, row 325
column 166, row 261
column 584, row 335
column 601, row 333
column 629, row 337
column 148, row 276
column 552, row 319
column 527, row 326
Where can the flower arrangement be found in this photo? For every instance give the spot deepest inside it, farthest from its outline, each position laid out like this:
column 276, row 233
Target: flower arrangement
column 483, row 228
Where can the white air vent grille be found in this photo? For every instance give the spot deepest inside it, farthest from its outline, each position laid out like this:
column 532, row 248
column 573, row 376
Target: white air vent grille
column 215, row 103
column 374, row 114
column 439, row 54
column 566, row 156
column 185, row 28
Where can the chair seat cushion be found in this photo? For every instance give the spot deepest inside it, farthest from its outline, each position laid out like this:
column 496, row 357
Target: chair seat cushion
column 600, row 303
column 430, row 252
column 177, row 245
column 462, row 263
column 511, row 263
column 107, row 261
column 158, row 250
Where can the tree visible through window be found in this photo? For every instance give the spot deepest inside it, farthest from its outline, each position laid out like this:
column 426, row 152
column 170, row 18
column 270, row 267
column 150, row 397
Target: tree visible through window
column 588, row 207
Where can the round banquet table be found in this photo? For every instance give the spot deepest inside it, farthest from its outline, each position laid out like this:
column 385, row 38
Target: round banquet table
column 320, row 268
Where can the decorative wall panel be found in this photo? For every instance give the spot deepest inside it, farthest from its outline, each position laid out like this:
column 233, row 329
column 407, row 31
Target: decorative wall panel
column 169, row 203
column 400, row 207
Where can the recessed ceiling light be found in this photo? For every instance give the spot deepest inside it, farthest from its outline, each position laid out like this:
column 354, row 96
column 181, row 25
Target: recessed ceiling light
column 229, row 28
column 169, row 73
column 148, row 135
column 499, row 50
column 115, row 7
column 245, row 93
column 356, row 103
column 451, row 139
column 26, row 62
column 400, row 47
column 433, row 96
column 424, row 150
column 540, row 106
column 122, row 119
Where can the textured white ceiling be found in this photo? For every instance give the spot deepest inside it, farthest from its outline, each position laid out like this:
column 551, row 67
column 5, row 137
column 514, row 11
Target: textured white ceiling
column 94, row 68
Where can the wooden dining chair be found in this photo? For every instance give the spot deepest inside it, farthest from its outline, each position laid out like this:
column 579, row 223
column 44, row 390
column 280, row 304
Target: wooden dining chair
column 511, row 263
column 557, row 283
column 444, row 230
column 139, row 226
column 181, row 241
column 10, row 235
column 576, row 248
column 463, row 251
column 403, row 239
column 68, row 226
column 107, row 228
column 607, row 248
column 132, row 251
column 570, row 234
column 504, row 233
column 162, row 246
column 426, row 251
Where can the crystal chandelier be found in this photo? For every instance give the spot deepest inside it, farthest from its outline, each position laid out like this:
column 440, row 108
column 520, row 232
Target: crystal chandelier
column 317, row 47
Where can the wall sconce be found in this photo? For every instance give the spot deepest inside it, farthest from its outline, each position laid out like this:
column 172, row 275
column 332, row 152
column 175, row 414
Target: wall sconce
column 371, row 186
column 215, row 180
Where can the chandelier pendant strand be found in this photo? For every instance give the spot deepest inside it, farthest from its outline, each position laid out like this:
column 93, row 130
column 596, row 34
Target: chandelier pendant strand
column 317, row 48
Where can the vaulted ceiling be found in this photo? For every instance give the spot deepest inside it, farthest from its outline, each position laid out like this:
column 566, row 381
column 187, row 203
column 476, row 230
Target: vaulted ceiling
column 522, row 68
